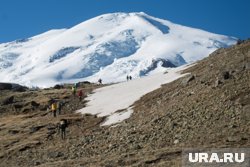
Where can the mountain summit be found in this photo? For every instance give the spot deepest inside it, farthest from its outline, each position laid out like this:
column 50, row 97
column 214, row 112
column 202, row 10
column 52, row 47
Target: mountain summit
column 110, row 46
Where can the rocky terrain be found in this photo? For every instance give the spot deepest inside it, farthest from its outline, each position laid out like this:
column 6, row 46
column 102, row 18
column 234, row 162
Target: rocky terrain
column 209, row 108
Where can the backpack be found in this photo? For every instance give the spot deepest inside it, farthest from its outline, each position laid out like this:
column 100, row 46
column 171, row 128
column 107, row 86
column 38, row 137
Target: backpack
column 80, row 93
column 53, row 106
column 63, row 123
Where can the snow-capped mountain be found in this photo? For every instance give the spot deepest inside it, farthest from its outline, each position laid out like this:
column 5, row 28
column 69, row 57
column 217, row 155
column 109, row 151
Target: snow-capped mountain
column 109, row 46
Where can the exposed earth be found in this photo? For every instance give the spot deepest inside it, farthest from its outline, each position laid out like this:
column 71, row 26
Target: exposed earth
column 209, row 108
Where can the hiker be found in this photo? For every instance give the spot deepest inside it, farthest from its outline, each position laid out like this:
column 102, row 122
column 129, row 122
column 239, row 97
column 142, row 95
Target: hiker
column 63, row 124
column 100, row 81
column 127, row 77
column 59, row 107
column 73, row 90
column 130, row 77
column 76, row 85
column 80, row 94
column 53, row 108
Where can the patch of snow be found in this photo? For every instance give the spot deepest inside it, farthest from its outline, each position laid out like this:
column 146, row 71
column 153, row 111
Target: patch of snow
column 118, row 117
column 106, row 101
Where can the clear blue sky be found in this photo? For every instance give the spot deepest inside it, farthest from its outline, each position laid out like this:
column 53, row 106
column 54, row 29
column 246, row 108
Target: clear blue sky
column 26, row 18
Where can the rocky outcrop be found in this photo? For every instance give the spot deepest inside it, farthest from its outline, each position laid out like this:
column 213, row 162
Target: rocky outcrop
column 14, row 87
column 8, row 100
column 5, row 86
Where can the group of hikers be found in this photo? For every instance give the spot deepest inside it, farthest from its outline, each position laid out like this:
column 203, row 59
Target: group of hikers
column 79, row 93
column 55, row 107
column 129, row 77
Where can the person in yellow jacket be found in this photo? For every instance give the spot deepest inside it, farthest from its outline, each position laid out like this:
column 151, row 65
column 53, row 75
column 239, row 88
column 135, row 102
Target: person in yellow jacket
column 73, row 90
column 54, row 108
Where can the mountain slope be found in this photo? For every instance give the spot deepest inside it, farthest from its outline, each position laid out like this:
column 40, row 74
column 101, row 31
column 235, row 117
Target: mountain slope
column 109, row 46
column 211, row 110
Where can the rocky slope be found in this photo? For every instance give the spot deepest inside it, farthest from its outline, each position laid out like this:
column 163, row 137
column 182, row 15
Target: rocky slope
column 208, row 108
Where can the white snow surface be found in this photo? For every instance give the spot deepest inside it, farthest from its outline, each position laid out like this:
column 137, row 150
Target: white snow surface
column 115, row 101
column 109, row 46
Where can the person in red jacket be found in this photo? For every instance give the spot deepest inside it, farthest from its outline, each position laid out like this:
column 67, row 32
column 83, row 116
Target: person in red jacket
column 80, row 94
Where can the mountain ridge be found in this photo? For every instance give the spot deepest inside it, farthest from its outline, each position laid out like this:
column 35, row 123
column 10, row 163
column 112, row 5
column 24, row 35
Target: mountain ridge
column 109, row 46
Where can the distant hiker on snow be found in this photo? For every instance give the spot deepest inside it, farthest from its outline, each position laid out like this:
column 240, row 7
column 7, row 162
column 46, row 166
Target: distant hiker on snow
column 130, row 77
column 63, row 124
column 53, row 108
column 80, row 94
column 127, row 77
column 100, row 81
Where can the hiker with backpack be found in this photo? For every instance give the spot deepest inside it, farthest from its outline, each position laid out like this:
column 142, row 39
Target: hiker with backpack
column 73, row 90
column 59, row 107
column 80, row 94
column 54, row 108
column 63, row 124
column 100, row 81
